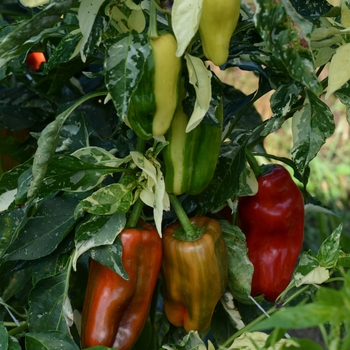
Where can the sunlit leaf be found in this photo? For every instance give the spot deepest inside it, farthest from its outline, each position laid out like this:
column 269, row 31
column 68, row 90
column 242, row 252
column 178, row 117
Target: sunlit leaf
column 185, row 22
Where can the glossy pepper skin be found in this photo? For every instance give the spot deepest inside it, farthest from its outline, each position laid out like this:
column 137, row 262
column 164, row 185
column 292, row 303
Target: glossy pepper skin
column 190, row 158
column 154, row 101
column 115, row 310
column 273, row 222
column 218, row 21
column 194, row 275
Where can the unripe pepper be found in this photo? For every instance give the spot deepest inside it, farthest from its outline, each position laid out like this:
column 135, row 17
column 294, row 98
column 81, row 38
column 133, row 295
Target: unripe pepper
column 218, row 21
column 273, row 222
column 154, row 101
column 190, row 158
column 115, row 310
column 194, row 274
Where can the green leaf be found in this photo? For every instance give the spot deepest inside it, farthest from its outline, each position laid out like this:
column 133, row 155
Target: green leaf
column 309, row 271
column 126, row 56
column 3, row 336
column 49, row 305
column 329, row 251
column 97, row 231
column 68, row 173
column 64, row 50
column 108, row 200
column 225, row 183
column 44, row 230
column 47, row 143
column 299, row 317
column 49, row 340
column 11, row 223
column 87, row 15
column 191, row 341
column 110, row 256
column 312, row 125
column 240, row 269
column 15, row 42
column 287, row 35
column 98, row 155
column 14, row 344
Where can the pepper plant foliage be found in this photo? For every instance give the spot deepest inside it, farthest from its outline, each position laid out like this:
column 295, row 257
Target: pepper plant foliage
column 72, row 168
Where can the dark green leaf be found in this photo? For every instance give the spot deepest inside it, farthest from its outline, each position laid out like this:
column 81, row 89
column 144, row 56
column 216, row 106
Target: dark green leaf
column 97, row 231
column 44, row 230
column 13, row 43
column 225, row 183
column 111, row 256
column 50, row 340
column 239, row 266
column 287, row 35
column 312, row 9
column 126, row 56
column 311, row 127
column 49, row 306
column 64, row 50
column 3, row 336
column 329, row 251
column 14, row 344
column 11, row 223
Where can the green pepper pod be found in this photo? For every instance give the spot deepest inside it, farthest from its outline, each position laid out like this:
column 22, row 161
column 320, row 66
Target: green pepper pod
column 153, row 103
column 190, row 158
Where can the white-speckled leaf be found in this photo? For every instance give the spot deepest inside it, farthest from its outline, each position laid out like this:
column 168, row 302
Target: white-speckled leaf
column 86, row 15
column 97, row 231
column 200, row 78
column 153, row 194
column 339, row 69
column 185, row 22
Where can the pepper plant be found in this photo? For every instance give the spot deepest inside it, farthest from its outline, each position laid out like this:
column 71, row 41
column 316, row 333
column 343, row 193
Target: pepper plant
column 135, row 210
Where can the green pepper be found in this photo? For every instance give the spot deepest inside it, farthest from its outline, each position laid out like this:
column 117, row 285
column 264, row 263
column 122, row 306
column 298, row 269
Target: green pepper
column 190, row 158
column 154, row 101
column 218, row 22
column 115, row 310
column 194, row 274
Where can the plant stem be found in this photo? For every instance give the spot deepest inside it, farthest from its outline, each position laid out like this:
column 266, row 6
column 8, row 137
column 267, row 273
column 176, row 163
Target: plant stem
column 253, row 162
column 135, row 214
column 152, row 29
column 189, row 230
column 261, row 318
column 22, row 327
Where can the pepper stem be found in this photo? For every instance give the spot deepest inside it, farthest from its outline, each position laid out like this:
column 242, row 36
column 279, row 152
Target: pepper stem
column 253, row 162
column 188, row 231
column 152, row 29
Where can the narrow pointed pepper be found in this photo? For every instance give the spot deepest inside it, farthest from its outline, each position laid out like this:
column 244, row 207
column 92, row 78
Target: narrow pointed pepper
column 190, row 158
column 154, row 101
column 218, row 21
column 115, row 310
column 273, row 222
column 194, row 274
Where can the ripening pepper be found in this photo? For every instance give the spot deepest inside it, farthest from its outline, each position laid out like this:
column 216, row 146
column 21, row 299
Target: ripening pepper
column 153, row 103
column 194, row 274
column 115, row 310
column 273, row 223
column 190, row 158
column 218, row 21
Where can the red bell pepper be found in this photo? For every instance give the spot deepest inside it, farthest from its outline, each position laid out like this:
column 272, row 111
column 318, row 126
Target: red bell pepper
column 34, row 60
column 273, row 222
column 115, row 310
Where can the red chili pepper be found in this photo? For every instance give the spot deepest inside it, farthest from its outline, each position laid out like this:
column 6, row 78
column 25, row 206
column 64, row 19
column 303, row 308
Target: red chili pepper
column 34, row 60
column 115, row 310
column 273, row 222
